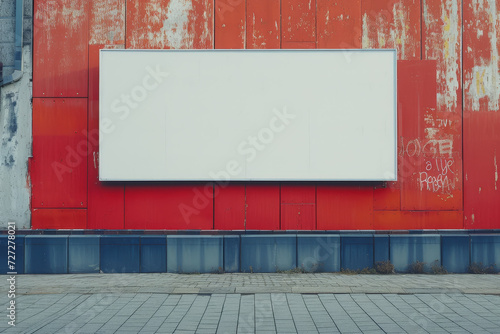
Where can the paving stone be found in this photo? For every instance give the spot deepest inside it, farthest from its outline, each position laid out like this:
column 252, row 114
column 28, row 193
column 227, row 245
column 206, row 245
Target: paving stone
column 54, row 303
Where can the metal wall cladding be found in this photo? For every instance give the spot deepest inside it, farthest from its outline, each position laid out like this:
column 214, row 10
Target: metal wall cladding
column 441, row 183
column 60, row 48
column 481, row 117
column 105, row 200
column 60, row 149
column 229, row 207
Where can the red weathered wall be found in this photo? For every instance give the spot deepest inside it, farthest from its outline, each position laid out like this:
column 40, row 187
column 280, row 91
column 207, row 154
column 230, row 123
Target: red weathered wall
column 448, row 113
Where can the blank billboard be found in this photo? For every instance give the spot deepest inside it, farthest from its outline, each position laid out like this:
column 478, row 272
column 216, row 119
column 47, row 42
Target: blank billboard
column 202, row 115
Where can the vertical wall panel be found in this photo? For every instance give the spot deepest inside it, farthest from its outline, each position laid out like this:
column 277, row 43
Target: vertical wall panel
column 60, row 48
column 339, row 24
column 59, row 219
column 170, row 24
column 107, row 22
column 298, row 194
column 481, row 113
column 105, row 200
column 59, row 164
column 431, row 164
column 344, row 207
column 482, row 168
column 298, row 217
column 229, row 200
column 229, row 207
column 441, row 41
column 481, row 55
column 168, row 206
column 390, row 24
column 262, row 206
column 298, row 206
column 298, row 20
column 230, row 24
column 263, row 24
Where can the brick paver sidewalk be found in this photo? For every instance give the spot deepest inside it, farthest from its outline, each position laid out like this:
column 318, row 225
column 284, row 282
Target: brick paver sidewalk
column 255, row 303
column 258, row 283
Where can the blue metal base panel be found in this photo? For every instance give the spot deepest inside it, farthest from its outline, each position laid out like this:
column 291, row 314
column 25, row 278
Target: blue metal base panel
column 46, row 254
column 318, row 253
column 120, row 254
column 381, row 248
column 268, row 253
column 153, row 254
column 253, row 252
column 17, row 249
column 194, row 254
column 485, row 250
column 357, row 251
column 83, row 254
column 408, row 249
column 455, row 249
column 231, row 253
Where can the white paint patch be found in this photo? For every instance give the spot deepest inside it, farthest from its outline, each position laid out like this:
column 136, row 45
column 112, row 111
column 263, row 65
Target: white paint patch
column 450, row 65
column 484, row 81
column 365, row 40
column 496, row 171
column 399, row 34
column 107, row 25
column 393, row 34
column 175, row 26
column 430, row 133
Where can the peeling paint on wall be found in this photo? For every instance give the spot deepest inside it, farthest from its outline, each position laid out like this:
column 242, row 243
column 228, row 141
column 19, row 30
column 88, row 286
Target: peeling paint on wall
column 262, row 24
column 442, row 27
column 483, row 81
column 9, row 141
column 15, row 148
column 175, row 26
column 496, row 170
column 107, row 22
column 170, row 24
column 54, row 13
column 392, row 25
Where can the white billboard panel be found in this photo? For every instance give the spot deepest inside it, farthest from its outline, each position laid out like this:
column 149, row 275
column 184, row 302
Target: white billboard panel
column 298, row 115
